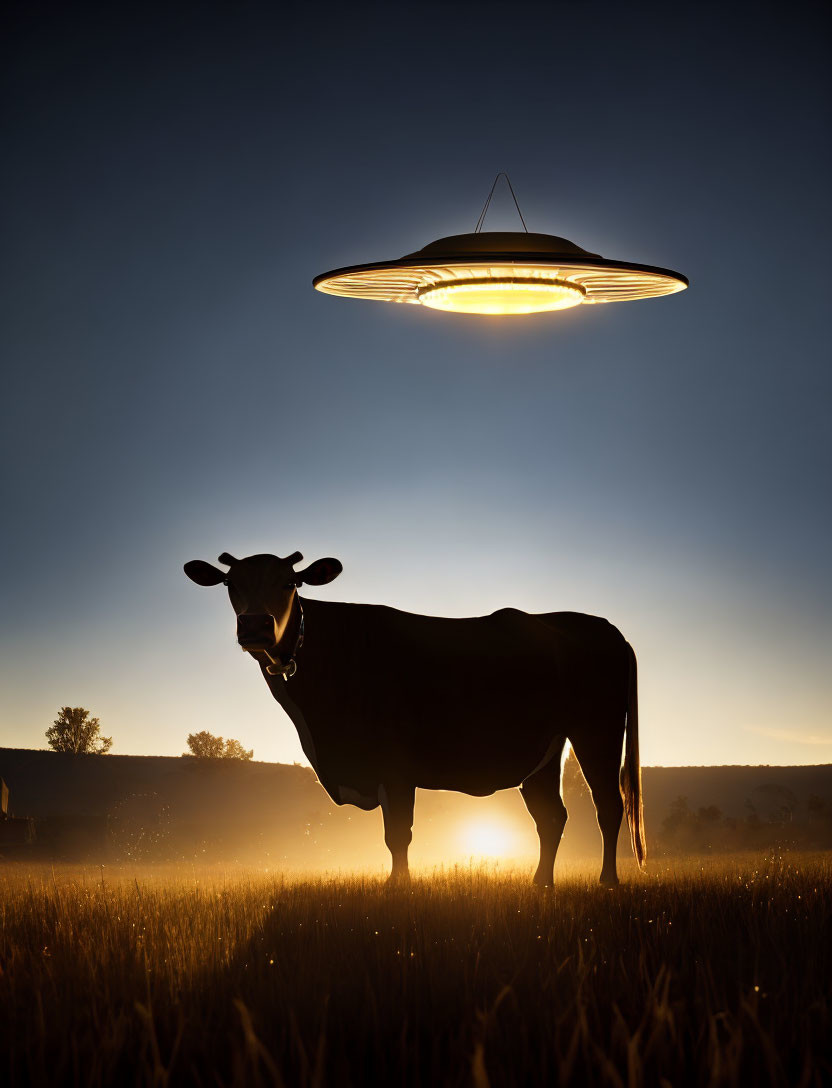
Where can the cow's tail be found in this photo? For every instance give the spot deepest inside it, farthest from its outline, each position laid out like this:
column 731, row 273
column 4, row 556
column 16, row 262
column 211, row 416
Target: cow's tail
column 631, row 771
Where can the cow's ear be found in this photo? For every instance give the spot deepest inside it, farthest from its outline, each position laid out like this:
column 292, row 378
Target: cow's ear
column 320, row 572
column 203, row 573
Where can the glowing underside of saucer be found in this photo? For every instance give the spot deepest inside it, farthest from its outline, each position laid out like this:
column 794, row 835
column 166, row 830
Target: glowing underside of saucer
column 501, row 296
column 417, row 283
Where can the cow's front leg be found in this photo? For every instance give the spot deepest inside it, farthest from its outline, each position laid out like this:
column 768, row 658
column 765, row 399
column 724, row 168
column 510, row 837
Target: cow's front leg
column 397, row 806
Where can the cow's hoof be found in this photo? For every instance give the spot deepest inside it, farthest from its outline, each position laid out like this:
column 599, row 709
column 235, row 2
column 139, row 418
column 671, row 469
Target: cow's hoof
column 609, row 882
column 542, row 881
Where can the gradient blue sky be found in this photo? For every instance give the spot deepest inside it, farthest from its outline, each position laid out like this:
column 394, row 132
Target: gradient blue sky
column 173, row 387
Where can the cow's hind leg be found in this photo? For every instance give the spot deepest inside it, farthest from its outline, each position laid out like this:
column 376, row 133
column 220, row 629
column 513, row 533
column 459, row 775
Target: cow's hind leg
column 397, row 807
column 601, row 765
column 542, row 793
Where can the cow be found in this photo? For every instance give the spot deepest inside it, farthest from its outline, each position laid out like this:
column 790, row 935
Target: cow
column 386, row 701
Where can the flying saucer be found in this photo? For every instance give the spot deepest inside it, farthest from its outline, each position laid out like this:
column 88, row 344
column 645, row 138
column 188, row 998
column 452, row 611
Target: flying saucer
column 501, row 273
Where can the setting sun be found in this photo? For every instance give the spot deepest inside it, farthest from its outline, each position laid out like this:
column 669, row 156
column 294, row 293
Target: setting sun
column 487, row 839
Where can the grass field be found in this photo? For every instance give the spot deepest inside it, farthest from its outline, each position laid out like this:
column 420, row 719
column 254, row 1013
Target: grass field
column 711, row 974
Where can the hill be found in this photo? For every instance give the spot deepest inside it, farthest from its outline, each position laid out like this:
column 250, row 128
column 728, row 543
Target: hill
column 149, row 807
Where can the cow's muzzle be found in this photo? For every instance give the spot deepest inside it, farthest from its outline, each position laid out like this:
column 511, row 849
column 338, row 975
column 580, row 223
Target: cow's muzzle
column 256, row 632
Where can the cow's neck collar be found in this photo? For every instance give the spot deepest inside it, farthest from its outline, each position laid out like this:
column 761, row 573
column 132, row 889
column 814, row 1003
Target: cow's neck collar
column 281, row 664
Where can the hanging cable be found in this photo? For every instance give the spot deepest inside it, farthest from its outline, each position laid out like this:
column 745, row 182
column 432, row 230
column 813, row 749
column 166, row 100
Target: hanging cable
column 484, row 211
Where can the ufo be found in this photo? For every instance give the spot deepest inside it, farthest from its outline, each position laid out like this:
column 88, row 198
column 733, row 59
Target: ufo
column 514, row 272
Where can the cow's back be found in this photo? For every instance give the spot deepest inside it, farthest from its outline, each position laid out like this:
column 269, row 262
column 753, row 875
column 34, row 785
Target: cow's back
column 466, row 704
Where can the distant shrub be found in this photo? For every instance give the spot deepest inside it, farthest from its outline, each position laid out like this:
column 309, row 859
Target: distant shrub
column 772, row 820
column 205, row 745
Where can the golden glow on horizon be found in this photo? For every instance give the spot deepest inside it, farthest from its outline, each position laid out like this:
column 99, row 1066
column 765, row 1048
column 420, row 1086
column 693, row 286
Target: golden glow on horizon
column 501, row 296
column 488, row 839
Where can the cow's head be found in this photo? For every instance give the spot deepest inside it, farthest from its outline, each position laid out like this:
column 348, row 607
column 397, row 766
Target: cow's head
column 262, row 590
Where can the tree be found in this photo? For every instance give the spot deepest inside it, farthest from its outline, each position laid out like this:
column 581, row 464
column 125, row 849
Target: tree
column 235, row 750
column 776, row 803
column 205, row 745
column 76, row 732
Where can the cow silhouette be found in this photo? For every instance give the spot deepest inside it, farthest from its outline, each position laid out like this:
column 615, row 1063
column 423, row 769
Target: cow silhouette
column 386, row 701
